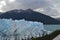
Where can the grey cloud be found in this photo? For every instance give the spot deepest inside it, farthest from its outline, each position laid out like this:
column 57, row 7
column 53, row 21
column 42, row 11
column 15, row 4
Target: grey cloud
column 34, row 4
column 24, row 4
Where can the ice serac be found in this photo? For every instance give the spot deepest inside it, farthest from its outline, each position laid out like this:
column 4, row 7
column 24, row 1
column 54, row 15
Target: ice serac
column 22, row 27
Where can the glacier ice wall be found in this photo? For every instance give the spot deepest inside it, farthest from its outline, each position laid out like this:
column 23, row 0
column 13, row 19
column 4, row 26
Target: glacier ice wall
column 24, row 28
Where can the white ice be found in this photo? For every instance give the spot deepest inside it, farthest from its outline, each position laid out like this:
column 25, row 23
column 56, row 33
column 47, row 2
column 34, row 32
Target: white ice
column 24, row 28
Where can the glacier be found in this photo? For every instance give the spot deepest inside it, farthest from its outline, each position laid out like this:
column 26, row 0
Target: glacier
column 22, row 27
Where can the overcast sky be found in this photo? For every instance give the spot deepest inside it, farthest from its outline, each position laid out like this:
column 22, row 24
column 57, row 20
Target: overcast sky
column 48, row 7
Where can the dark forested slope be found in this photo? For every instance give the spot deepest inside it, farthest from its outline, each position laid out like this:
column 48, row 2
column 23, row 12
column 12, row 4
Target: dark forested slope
column 29, row 15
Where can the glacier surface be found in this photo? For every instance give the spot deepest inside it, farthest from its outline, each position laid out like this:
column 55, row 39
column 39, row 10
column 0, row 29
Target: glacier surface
column 24, row 28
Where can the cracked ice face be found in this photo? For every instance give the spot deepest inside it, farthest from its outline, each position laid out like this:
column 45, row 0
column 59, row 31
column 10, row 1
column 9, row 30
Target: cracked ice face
column 23, row 27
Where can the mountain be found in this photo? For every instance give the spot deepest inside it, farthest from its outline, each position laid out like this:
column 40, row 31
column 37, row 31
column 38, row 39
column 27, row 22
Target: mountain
column 0, row 13
column 29, row 15
column 58, row 19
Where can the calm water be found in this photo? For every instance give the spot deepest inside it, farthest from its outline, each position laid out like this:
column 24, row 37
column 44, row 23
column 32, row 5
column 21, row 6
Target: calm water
column 52, row 27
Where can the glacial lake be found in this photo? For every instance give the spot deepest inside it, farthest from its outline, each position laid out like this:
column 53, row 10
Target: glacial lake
column 52, row 27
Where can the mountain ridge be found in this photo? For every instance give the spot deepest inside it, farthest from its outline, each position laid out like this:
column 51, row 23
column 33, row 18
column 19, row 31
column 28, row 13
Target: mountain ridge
column 29, row 15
